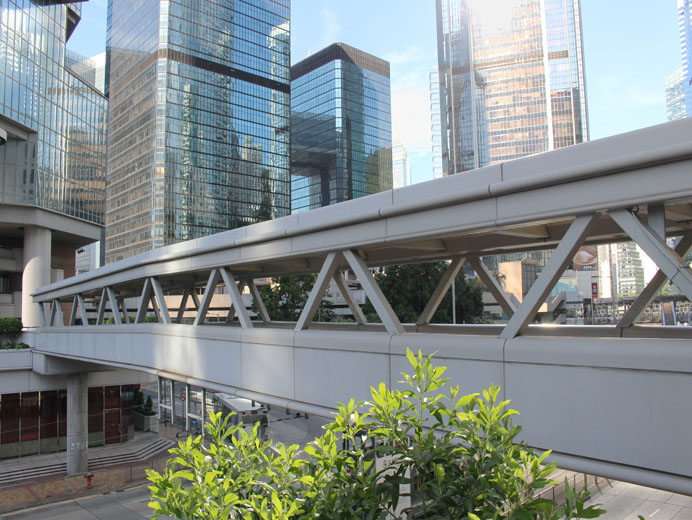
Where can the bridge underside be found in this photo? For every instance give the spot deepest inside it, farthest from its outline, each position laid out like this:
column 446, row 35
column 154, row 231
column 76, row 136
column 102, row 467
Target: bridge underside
column 599, row 395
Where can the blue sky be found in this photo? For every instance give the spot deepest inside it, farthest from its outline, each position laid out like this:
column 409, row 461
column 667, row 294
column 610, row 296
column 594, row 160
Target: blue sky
column 629, row 48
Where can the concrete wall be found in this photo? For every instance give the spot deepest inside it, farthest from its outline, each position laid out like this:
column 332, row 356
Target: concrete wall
column 615, row 400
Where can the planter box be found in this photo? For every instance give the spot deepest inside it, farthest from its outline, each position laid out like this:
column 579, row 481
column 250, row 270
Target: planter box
column 11, row 359
column 146, row 423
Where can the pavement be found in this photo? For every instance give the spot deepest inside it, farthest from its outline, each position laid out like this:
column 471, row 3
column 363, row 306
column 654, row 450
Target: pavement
column 624, row 501
column 130, row 504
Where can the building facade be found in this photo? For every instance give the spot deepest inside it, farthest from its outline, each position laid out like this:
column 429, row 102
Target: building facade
column 199, row 119
column 53, row 154
column 675, row 95
column 401, row 167
column 341, row 129
column 436, row 124
column 511, row 79
column 685, row 23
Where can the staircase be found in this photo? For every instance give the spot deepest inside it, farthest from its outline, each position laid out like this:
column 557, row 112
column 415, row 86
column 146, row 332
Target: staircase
column 37, row 466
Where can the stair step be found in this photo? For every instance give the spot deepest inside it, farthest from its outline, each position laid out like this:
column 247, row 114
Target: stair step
column 153, row 448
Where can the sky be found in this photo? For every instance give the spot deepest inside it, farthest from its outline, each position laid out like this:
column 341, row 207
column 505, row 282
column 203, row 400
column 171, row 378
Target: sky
column 630, row 46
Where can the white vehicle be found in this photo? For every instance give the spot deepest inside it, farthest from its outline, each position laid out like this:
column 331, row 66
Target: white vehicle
column 247, row 412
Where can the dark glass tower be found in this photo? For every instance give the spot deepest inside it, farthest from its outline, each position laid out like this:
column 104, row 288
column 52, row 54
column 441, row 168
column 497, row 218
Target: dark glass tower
column 199, row 113
column 341, row 127
column 511, row 79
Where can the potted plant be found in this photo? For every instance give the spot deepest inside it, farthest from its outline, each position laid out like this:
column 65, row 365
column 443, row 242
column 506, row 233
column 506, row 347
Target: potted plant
column 145, row 417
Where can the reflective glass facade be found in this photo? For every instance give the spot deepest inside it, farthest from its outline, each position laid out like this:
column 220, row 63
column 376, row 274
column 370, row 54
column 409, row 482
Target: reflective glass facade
column 341, row 127
column 199, row 114
column 511, row 79
column 55, row 157
column 401, row 167
column 436, row 124
column 675, row 95
column 685, row 22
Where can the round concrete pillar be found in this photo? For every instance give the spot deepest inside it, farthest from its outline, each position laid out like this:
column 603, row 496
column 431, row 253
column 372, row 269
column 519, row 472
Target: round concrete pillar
column 77, row 424
column 37, row 253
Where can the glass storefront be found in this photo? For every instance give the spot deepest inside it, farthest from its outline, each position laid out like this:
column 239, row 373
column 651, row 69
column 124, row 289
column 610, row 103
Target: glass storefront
column 36, row 422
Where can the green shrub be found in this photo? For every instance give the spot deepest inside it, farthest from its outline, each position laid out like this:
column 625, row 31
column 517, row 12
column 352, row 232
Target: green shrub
column 12, row 346
column 141, row 406
column 453, row 456
column 10, row 326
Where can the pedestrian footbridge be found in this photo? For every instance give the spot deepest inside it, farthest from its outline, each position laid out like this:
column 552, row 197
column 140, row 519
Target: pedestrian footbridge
column 611, row 400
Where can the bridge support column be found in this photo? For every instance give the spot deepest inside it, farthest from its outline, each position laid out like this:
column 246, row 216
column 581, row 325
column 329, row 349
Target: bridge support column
column 37, row 253
column 77, row 424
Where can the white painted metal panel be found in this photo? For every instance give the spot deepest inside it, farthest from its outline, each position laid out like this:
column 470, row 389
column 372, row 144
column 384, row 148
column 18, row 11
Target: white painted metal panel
column 327, row 377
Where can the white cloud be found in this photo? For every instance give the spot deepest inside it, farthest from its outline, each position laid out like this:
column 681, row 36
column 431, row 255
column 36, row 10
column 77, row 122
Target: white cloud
column 330, row 27
column 411, row 118
column 411, row 55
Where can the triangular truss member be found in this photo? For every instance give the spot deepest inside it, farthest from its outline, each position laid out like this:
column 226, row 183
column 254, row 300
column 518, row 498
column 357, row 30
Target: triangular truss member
column 493, row 286
column 551, row 273
column 231, row 309
column 257, row 297
column 350, row 300
column 372, row 290
column 441, row 290
column 315, row 297
column 78, row 305
column 669, row 262
column 42, row 314
column 123, row 309
column 152, row 293
column 108, row 296
column 187, row 294
column 649, row 292
column 237, row 303
column 215, row 276
column 56, row 318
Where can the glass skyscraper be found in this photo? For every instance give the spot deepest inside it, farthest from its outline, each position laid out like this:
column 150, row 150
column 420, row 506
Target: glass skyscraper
column 341, row 127
column 675, row 95
column 436, row 124
column 52, row 152
column 55, row 153
column 685, row 22
column 401, row 167
column 511, row 79
column 199, row 119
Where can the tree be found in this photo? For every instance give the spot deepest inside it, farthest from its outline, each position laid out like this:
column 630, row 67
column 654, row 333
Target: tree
column 285, row 296
column 409, row 287
column 450, row 456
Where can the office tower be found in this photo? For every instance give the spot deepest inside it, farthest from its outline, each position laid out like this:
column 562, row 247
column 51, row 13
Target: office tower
column 675, row 95
column 436, row 124
column 199, row 113
column 620, row 268
column 685, row 23
column 52, row 153
column 341, row 129
column 511, row 79
column 92, row 70
column 401, row 167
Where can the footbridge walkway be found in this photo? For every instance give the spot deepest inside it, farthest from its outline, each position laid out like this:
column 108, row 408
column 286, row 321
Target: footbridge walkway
column 610, row 400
